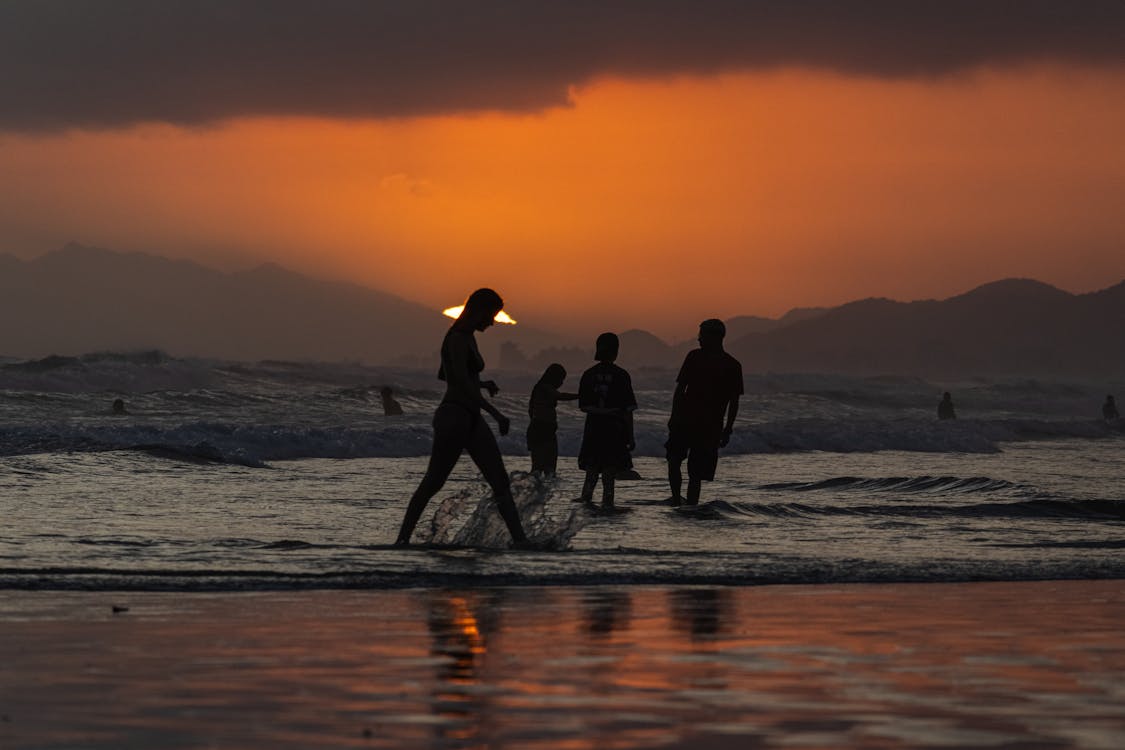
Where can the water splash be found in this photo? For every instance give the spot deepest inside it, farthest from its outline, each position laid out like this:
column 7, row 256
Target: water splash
column 469, row 518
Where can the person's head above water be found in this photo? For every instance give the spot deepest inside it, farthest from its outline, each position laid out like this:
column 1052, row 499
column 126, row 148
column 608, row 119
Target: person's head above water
column 605, row 350
column 946, row 396
column 118, row 406
column 386, row 391
column 711, row 333
column 480, row 309
column 554, row 375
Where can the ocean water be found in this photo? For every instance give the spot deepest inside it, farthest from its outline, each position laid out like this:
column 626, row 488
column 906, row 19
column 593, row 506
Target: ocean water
column 235, row 476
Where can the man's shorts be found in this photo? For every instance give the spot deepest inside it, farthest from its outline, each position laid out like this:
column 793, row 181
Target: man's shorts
column 701, row 452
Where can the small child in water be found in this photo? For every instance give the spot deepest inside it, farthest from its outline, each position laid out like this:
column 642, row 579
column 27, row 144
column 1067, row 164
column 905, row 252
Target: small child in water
column 542, row 430
column 605, row 393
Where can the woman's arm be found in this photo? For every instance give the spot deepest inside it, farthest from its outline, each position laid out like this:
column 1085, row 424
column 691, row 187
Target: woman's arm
column 558, row 395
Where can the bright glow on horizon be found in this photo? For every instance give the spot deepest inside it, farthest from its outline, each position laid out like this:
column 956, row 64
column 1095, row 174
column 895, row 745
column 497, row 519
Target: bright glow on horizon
column 501, row 317
column 647, row 203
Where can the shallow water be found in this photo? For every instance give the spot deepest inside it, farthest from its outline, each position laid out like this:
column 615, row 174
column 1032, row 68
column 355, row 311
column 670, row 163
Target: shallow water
column 889, row 666
column 242, row 516
column 116, row 520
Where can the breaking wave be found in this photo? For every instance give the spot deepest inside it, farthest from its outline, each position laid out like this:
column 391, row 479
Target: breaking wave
column 260, row 442
column 266, row 411
column 1085, row 510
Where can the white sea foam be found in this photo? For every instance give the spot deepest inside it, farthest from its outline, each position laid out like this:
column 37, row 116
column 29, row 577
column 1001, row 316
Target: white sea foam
column 255, row 443
column 125, row 520
column 469, row 518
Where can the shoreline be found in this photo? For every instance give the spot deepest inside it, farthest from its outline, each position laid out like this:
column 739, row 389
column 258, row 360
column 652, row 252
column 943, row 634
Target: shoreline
column 313, row 583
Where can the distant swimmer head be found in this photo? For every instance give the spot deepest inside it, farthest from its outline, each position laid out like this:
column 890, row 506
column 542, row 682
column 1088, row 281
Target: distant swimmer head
column 554, row 375
column 711, row 332
column 606, row 348
column 386, row 391
column 481, row 308
column 118, row 406
column 947, row 396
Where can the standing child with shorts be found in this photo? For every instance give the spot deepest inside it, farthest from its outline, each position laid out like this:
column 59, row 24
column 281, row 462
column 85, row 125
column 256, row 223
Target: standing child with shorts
column 605, row 393
column 542, row 430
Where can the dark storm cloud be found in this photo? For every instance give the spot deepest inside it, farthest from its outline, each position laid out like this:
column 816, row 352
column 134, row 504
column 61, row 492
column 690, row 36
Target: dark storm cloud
column 79, row 63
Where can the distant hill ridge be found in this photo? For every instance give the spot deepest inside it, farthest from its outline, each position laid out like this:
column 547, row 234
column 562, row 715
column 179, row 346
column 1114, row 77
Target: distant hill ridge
column 81, row 299
column 1011, row 327
column 1016, row 327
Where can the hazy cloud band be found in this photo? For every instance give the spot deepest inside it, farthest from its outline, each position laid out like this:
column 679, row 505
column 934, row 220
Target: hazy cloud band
column 74, row 63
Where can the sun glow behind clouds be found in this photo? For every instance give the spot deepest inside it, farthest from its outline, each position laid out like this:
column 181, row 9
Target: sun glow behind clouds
column 729, row 195
column 501, row 317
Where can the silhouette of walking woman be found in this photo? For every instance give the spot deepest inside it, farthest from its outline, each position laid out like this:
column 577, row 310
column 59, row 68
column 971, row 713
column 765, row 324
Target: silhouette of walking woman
column 458, row 423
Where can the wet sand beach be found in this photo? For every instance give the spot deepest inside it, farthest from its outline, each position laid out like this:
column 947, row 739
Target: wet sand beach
column 988, row 665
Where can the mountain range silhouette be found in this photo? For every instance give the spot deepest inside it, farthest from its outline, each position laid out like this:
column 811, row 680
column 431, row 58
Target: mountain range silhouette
column 1011, row 327
column 81, row 299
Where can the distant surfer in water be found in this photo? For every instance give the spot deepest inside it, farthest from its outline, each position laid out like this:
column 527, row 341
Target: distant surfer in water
column 542, row 430
column 605, row 393
column 458, row 423
column 391, row 407
column 1109, row 409
column 708, row 386
column 945, row 407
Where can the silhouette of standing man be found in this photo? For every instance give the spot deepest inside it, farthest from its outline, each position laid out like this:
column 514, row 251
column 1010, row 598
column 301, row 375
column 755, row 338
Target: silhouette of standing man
column 709, row 384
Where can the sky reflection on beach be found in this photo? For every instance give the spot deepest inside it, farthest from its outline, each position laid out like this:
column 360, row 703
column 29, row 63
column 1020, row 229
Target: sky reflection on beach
column 890, row 666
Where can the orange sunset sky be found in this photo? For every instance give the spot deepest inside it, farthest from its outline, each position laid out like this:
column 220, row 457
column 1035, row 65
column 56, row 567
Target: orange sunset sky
column 655, row 164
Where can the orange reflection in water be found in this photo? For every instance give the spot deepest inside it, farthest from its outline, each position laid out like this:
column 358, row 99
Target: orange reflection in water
column 464, row 620
column 890, row 666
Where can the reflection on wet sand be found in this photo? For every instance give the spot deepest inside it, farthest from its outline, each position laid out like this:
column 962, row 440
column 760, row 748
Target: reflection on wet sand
column 702, row 613
column 460, row 644
column 888, row 666
column 607, row 612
